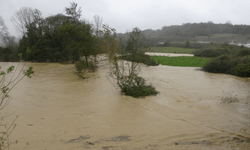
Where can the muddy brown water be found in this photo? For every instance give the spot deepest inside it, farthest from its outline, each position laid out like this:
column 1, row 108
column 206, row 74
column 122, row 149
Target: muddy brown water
column 58, row 111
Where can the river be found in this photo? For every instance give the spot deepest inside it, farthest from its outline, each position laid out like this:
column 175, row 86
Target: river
column 58, row 111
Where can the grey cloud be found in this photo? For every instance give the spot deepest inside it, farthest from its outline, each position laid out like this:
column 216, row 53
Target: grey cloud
column 125, row 14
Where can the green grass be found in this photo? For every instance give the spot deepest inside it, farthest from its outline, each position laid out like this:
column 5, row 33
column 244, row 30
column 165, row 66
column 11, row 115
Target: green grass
column 172, row 50
column 183, row 61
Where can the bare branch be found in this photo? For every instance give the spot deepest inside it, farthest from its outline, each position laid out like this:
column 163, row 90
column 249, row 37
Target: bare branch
column 98, row 25
column 24, row 17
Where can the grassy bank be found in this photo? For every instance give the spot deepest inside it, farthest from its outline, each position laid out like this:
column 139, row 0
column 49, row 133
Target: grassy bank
column 183, row 61
column 172, row 50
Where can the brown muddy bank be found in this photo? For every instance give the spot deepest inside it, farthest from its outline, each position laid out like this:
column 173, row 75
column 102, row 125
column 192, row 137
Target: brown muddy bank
column 58, row 111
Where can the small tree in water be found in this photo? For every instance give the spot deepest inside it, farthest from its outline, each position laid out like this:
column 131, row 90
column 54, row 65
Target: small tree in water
column 126, row 73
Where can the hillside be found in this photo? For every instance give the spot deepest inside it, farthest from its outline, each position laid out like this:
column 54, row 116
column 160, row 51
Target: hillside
column 194, row 32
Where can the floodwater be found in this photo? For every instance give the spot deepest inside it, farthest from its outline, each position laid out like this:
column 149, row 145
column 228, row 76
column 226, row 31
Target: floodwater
column 58, row 111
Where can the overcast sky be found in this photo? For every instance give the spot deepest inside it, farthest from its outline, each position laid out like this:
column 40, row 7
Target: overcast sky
column 123, row 15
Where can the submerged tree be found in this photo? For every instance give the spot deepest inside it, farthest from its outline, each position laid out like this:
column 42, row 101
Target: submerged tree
column 126, row 73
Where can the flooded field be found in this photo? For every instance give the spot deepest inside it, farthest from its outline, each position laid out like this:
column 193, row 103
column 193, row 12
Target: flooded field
column 58, row 111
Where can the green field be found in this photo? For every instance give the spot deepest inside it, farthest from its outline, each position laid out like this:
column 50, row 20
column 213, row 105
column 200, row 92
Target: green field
column 183, row 61
column 172, row 50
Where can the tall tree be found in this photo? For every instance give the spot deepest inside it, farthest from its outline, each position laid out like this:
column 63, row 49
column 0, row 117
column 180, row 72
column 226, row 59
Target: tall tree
column 109, row 43
column 24, row 17
column 4, row 34
column 74, row 13
column 136, row 41
column 10, row 44
column 126, row 73
column 97, row 25
column 79, row 40
column 3, row 27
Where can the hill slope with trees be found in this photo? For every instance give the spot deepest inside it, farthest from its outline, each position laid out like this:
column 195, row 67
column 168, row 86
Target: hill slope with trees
column 204, row 31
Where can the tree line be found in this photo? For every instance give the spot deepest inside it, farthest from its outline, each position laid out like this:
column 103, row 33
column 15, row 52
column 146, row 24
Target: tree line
column 55, row 38
column 199, row 29
column 228, row 59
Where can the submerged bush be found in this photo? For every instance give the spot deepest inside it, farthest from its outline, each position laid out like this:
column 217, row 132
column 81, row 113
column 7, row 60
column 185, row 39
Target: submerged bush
column 136, row 87
column 92, row 66
column 228, row 97
column 81, row 69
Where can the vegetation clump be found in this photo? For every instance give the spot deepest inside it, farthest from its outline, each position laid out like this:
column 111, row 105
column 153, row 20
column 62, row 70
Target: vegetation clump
column 136, row 87
column 56, row 38
column 242, row 69
column 228, row 97
column 82, row 67
column 243, row 51
column 140, row 58
column 222, row 64
column 123, row 72
column 227, row 59
column 229, row 65
column 8, row 54
column 210, row 52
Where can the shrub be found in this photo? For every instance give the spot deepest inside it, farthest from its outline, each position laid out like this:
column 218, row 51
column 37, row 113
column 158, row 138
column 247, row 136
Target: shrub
column 81, row 69
column 244, row 52
column 126, row 73
column 222, row 64
column 229, row 65
column 210, row 52
column 136, row 87
column 92, row 66
column 242, row 70
column 140, row 58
